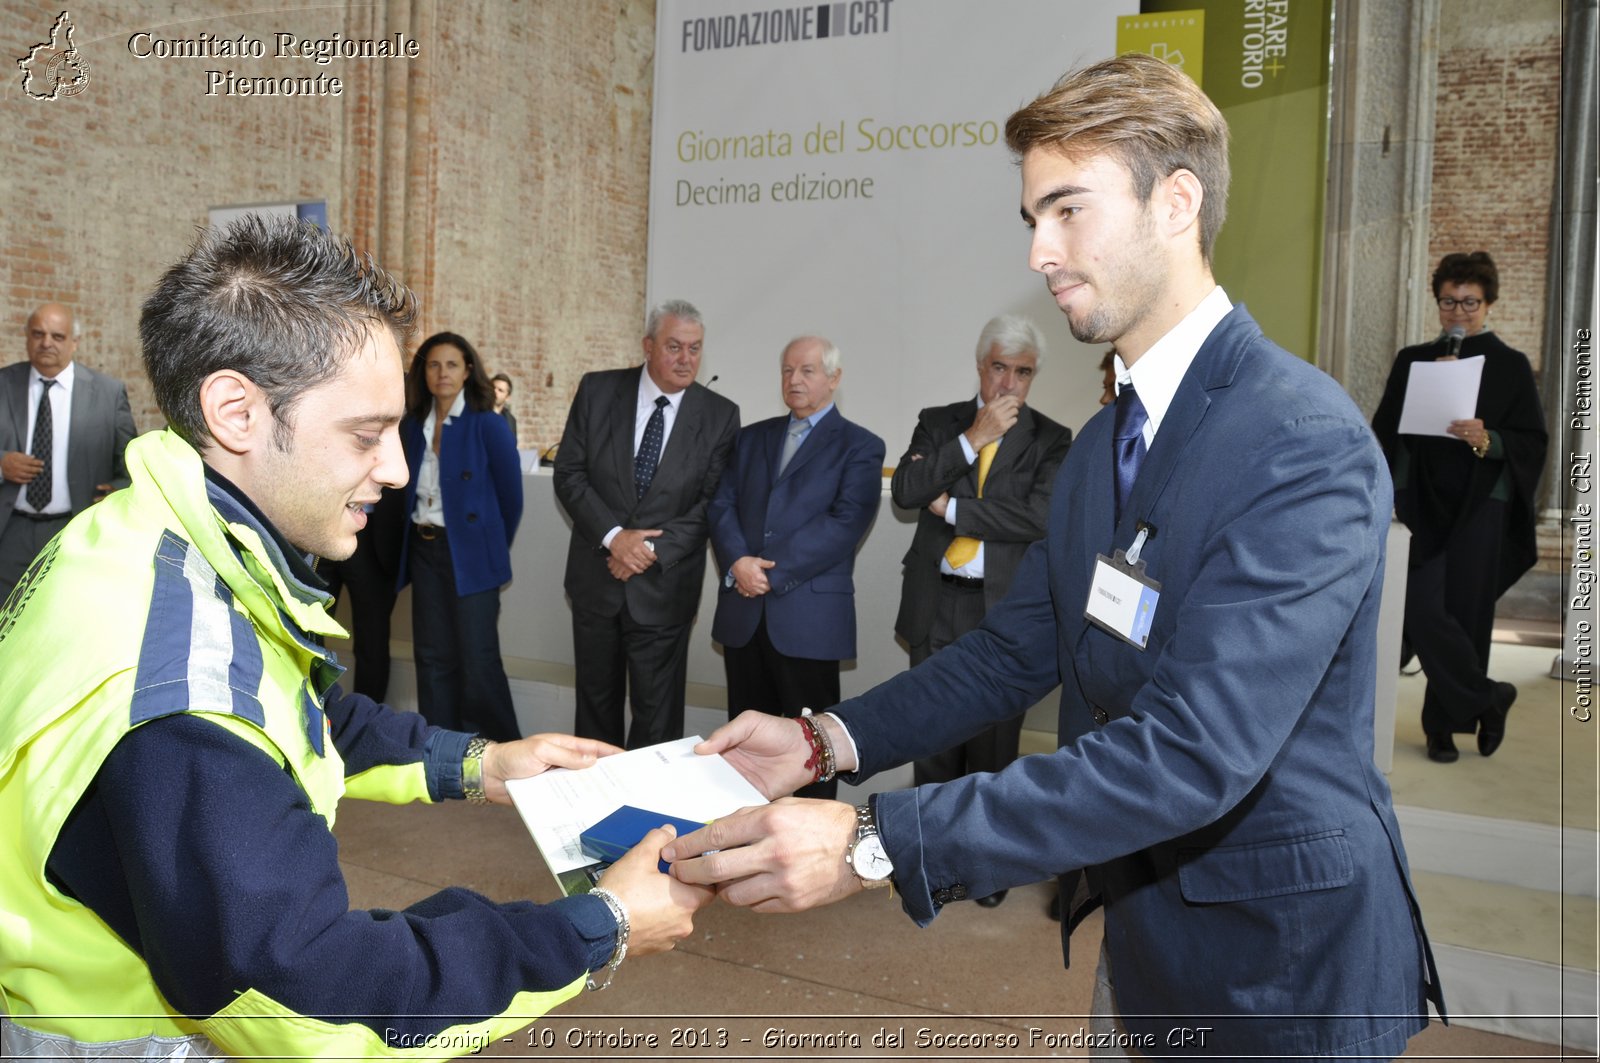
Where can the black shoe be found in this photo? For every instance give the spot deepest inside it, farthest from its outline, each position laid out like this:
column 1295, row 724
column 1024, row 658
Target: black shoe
column 1054, row 911
column 993, row 900
column 1492, row 724
column 1442, row 747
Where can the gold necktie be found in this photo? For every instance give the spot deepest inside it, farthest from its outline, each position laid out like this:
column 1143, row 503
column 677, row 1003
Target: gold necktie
column 963, row 548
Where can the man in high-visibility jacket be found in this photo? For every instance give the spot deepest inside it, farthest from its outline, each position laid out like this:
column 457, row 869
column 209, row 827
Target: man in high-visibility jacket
column 174, row 744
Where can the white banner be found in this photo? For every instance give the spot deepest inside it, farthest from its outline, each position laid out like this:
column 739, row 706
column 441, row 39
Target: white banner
column 841, row 169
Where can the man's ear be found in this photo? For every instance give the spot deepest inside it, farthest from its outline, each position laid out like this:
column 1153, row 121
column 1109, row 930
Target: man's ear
column 235, row 410
column 1179, row 199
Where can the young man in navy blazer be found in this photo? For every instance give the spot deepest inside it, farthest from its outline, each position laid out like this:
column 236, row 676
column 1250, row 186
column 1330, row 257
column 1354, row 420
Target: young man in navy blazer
column 1215, row 778
column 792, row 507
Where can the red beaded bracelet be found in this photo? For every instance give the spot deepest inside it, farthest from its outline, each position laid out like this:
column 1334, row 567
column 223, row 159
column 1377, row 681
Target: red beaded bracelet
column 821, row 761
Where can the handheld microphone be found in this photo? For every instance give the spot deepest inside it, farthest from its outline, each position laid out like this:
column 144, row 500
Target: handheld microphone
column 1456, row 334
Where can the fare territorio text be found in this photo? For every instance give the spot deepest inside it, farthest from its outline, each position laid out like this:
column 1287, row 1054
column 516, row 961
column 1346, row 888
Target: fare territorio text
column 319, row 51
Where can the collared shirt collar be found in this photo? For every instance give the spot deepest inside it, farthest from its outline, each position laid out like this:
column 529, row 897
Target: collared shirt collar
column 648, row 391
column 1159, row 371
column 430, row 422
column 815, row 419
column 63, row 378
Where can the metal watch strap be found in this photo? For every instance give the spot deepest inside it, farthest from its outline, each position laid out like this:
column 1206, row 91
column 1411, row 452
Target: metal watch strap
column 472, row 770
column 866, row 827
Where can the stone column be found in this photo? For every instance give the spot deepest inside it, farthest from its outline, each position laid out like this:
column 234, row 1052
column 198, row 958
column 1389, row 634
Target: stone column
column 1380, row 170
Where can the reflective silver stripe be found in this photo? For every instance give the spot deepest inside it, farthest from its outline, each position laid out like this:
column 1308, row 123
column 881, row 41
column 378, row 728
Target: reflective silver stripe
column 19, row 1042
column 198, row 654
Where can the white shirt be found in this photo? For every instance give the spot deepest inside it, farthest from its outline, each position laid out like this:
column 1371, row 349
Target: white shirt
column 430, row 497
column 648, row 393
column 1157, row 374
column 61, row 427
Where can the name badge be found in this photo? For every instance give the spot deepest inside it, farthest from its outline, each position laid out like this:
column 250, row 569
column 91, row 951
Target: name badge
column 1122, row 598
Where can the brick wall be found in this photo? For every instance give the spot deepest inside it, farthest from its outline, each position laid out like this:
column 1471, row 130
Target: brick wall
column 543, row 188
column 1494, row 163
column 504, row 177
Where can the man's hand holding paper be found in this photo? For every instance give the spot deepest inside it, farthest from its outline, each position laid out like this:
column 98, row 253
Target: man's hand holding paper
column 787, row 856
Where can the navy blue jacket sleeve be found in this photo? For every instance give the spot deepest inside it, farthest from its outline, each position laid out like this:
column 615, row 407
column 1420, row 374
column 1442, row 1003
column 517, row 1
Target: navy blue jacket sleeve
column 826, row 536
column 728, row 543
column 205, row 856
column 505, row 469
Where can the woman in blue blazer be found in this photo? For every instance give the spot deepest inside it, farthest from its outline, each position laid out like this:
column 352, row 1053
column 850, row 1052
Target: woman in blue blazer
column 464, row 500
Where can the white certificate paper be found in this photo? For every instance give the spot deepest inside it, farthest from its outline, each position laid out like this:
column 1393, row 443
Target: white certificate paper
column 559, row 805
column 1438, row 393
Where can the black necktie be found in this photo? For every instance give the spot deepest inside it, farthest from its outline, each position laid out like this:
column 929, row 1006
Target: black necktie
column 644, row 462
column 42, row 488
column 1128, row 439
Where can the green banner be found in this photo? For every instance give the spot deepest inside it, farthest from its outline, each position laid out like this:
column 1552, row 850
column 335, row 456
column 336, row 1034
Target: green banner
column 1265, row 63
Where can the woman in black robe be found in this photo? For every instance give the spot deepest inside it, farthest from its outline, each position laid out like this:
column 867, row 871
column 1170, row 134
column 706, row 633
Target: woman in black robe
column 1468, row 499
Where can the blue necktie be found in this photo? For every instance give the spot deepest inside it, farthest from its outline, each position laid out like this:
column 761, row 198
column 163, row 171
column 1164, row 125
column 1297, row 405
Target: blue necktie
column 644, row 462
column 42, row 487
column 1128, row 439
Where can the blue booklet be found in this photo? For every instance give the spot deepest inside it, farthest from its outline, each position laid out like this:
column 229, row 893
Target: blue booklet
column 613, row 836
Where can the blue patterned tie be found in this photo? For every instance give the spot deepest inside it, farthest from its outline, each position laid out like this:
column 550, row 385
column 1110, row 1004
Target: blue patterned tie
column 644, row 462
column 42, row 487
column 1128, row 438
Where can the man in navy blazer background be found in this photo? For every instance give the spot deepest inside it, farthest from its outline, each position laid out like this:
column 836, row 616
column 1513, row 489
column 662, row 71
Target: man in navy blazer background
column 792, row 507
column 1215, row 777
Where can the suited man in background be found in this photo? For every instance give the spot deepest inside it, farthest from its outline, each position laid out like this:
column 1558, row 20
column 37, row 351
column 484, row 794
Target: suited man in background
column 638, row 463
column 1214, row 778
column 981, row 472
column 796, row 501
column 371, row 575
column 60, row 456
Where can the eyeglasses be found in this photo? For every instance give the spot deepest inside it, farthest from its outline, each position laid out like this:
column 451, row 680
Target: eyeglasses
column 1468, row 304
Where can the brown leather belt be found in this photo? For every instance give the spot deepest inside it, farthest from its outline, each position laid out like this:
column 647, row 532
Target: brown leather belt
column 428, row 532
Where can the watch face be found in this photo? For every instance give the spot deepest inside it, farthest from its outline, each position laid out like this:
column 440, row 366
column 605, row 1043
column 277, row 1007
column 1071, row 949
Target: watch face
column 869, row 860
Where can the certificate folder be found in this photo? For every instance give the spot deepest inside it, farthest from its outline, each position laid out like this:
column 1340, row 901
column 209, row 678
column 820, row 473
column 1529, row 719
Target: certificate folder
column 613, row 836
column 560, row 806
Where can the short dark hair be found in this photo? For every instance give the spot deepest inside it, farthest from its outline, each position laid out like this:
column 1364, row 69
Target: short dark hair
column 280, row 301
column 510, row 387
column 479, row 392
column 1478, row 268
column 1144, row 112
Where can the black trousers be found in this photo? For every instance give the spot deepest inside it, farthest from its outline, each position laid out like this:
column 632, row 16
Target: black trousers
column 24, row 536
column 759, row 677
column 959, row 610
column 616, row 656
column 372, row 596
column 1449, row 621
column 461, row 680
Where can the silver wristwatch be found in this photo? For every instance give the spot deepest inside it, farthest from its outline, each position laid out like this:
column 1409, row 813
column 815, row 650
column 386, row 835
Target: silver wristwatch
column 866, row 858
